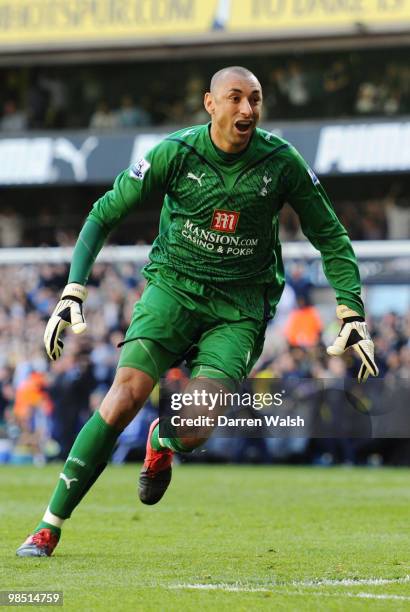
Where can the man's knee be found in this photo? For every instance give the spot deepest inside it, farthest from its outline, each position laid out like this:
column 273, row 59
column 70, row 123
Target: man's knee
column 127, row 395
column 205, row 405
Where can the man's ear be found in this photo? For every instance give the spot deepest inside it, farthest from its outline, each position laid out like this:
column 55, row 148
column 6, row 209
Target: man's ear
column 209, row 103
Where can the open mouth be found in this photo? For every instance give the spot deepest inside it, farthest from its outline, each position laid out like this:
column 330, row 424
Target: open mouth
column 243, row 126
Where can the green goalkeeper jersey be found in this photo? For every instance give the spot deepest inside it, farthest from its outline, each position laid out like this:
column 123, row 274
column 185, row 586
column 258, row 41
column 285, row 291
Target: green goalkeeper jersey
column 218, row 232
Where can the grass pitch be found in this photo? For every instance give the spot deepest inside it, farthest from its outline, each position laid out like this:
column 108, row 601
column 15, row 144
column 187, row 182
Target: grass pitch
column 224, row 537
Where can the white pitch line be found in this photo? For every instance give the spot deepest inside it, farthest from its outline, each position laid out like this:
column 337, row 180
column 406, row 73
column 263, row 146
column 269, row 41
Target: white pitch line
column 300, row 583
column 352, row 581
column 379, row 596
column 232, row 588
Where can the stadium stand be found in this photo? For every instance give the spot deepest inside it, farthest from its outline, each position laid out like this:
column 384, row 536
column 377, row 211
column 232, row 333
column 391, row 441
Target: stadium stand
column 309, row 83
column 128, row 95
column 46, row 402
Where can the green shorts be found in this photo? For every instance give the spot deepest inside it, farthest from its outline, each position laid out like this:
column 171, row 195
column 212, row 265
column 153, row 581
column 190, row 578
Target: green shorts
column 212, row 337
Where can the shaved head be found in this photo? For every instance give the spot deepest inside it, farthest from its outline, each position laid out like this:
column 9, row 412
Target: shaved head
column 226, row 73
column 234, row 103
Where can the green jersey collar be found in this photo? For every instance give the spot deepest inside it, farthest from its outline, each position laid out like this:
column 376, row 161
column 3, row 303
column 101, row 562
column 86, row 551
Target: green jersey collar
column 229, row 160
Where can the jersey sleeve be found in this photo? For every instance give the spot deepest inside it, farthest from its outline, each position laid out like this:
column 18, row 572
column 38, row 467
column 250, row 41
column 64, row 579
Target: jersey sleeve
column 147, row 177
column 321, row 226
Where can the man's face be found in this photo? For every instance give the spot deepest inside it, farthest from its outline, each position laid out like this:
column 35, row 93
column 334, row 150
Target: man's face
column 235, row 106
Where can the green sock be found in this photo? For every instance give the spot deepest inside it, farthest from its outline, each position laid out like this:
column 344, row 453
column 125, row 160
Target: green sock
column 87, row 459
column 172, row 443
column 176, row 445
column 155, row 439
column 44, row 525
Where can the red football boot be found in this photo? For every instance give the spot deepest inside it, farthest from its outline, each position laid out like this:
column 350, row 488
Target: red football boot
column 40, row 544
column 156, row 472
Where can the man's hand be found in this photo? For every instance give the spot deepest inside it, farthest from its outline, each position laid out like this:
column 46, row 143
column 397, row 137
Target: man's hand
column 354, row 333
column 68, row 312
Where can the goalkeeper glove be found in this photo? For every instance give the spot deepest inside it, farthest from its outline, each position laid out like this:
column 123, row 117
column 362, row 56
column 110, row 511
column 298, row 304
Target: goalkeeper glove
column 67, row 313
column 354, row 333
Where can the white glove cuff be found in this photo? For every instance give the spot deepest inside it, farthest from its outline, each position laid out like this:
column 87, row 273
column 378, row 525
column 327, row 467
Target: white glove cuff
column 74, row 290
column 343, row 311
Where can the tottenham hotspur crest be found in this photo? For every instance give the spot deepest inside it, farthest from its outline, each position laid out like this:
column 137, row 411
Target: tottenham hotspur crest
column 264, row 190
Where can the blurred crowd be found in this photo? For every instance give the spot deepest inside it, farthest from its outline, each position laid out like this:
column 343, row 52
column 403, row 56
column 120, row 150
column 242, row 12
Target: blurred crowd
column 43, row 404
column 131, row 95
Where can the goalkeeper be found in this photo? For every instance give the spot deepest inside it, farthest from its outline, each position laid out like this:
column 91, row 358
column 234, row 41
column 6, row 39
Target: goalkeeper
column 215, row 275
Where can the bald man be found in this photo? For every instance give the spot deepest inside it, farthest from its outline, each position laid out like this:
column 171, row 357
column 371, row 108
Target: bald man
column 215, row 275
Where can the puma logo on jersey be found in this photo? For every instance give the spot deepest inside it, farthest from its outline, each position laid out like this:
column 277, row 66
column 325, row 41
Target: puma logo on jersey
column 67, row 481
column 264, row 190
column 192, row 176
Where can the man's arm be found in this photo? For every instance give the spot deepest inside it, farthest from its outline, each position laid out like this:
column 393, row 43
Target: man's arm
column 322, row 227
column 133, row 186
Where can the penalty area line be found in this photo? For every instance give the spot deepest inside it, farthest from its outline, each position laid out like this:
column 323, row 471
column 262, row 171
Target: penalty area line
column 238, row 586
column 232, row 588
column 242, row 588
column 349, row 582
